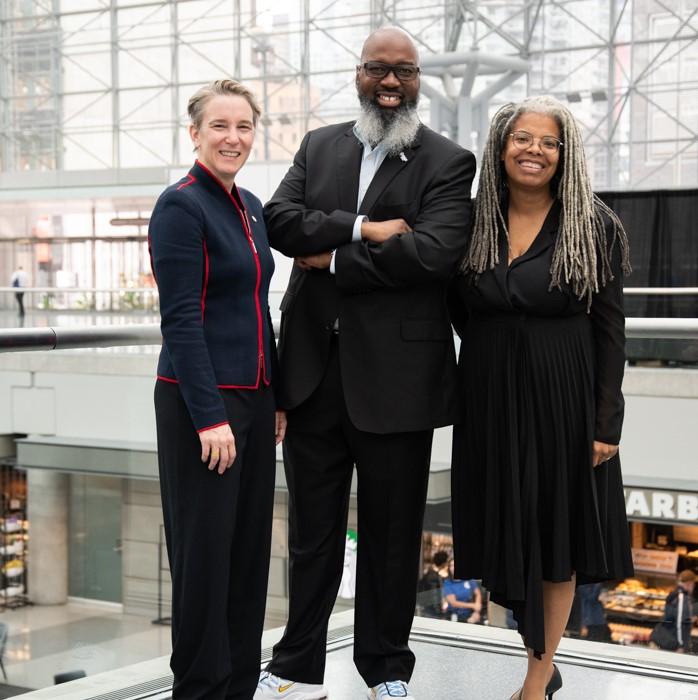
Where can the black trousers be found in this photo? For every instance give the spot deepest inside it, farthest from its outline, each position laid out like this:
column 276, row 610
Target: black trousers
column 19, row 296
column 320, row 450
column 218, row 530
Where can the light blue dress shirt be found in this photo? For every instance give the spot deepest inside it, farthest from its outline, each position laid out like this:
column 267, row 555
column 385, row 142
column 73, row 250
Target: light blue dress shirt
column 371, row 160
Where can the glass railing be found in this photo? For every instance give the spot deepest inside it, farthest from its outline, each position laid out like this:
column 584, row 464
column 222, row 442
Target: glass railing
column 123, row 299
column 84, row 567
column 121, row 303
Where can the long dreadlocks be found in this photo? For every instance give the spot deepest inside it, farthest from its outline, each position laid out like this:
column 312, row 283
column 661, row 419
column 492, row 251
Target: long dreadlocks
column 582, row 250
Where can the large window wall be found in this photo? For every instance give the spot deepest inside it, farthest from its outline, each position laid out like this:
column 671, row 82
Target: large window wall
column 88, row 84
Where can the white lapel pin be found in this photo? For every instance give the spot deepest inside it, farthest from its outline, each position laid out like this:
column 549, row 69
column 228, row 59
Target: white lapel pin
column 253, row 219
column 403, row 157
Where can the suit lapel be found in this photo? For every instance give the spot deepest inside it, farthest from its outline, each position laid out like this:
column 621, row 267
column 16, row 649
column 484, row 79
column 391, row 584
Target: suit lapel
column 390, row 167
column 388, row 170
column 348, row 159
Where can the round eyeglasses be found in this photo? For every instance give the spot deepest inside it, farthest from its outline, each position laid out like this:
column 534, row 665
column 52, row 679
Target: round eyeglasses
column 404, row 72
column 522, row 140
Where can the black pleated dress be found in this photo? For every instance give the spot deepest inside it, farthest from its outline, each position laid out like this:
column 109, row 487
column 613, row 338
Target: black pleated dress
column 541, row 380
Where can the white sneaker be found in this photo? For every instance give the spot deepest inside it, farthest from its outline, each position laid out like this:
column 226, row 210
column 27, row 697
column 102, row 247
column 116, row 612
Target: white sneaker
column 390, row 689
column 271, row 686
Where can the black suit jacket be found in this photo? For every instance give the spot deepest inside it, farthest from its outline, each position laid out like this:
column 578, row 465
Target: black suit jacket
column 396, row 345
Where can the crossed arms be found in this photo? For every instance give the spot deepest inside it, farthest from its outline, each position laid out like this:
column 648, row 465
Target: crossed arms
column 390, row 253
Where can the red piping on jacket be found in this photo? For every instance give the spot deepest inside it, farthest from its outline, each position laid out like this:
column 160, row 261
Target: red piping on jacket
column 190, row 179
column 167, row 379
column 261, row 368
column 211, row 427
column 218, row 386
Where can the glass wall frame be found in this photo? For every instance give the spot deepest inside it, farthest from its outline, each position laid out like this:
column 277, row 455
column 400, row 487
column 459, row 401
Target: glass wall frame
column 93, row 84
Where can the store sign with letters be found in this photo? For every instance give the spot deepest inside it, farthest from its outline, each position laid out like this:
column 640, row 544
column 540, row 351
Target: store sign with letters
column 655, row 561
column 672, row 506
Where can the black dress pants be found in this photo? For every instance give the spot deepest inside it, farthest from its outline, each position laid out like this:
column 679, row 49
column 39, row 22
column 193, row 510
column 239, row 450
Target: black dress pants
column 218, row 530
column 320, row 450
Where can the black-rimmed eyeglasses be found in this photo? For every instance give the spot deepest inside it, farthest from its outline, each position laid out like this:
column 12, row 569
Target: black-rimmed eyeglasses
column 522, row 140
column 377, row 70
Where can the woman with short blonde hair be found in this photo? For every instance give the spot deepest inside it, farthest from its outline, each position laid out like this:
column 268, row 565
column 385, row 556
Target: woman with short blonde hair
column 216, row 415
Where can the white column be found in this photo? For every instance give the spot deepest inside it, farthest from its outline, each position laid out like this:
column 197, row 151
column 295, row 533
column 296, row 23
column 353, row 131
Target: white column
column 47, row 499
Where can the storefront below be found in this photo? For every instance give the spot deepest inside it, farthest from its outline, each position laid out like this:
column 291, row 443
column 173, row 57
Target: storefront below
column 664, row 538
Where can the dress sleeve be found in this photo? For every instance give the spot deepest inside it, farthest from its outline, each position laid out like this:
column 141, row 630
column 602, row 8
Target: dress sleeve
column 608, row 322
column 177, row 247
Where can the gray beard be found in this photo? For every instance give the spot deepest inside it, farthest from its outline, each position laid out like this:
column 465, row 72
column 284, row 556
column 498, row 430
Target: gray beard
column 395, row 130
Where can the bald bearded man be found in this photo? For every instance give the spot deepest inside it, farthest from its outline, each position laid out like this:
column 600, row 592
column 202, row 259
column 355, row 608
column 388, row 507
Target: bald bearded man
column 376, row 215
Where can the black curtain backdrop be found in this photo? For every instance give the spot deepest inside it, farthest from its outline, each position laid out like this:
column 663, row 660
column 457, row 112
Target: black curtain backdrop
column 662, row 226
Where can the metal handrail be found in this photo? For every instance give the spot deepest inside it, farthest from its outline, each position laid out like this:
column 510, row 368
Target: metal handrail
column 662, row 328
column 633, row 291
column 26, row 339
column 80, row 290
column 660, row 291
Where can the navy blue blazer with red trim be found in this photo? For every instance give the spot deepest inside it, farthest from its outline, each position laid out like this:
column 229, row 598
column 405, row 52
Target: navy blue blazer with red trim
column 212, row 264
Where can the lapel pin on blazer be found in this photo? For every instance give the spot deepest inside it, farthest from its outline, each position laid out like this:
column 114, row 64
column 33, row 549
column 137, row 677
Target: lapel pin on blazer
column 403, row 157
column 253, row 219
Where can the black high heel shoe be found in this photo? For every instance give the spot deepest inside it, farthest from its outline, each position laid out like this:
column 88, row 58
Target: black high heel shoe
column 554, row 684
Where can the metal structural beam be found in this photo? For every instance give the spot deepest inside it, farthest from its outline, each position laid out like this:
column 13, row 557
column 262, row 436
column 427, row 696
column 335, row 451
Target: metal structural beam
column 103, row 83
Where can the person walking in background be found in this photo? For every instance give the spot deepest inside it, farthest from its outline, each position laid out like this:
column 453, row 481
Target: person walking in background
column 376, row 214
column 674, row 632
column 431, row 585
column 214, row 407
column 679, row 609
column 537, row 494
column 594, row 626
column 18, row 280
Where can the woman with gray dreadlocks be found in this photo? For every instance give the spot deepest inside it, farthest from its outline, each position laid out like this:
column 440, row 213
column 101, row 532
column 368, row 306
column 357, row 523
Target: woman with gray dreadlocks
column 537, row 492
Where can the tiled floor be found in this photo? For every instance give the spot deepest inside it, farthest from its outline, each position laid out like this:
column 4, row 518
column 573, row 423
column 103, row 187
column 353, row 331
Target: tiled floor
column 45, row 640
column 450, row 673
column 453, row 663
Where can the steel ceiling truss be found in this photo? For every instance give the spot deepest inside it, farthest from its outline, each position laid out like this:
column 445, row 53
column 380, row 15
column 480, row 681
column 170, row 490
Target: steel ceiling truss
column 129, row 73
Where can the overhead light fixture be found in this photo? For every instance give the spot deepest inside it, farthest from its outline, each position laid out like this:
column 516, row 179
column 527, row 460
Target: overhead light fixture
column 599, row 96
column 574, row 97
